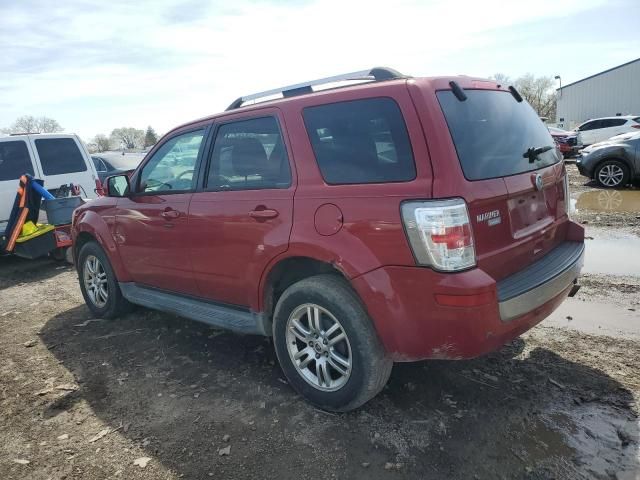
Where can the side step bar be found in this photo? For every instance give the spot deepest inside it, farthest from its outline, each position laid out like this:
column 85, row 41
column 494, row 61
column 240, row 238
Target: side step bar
column 216, row 315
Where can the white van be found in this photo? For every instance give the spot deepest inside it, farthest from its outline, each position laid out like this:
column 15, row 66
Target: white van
column 57, row 158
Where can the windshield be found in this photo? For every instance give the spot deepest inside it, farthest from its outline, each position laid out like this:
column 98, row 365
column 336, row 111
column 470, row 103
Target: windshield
column 494, row 134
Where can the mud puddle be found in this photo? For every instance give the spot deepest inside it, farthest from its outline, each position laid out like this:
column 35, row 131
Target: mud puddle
column 612, row 252
column 604, row 441
column 607, row 201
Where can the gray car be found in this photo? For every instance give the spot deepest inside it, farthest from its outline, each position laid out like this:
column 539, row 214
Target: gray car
column 613, row 163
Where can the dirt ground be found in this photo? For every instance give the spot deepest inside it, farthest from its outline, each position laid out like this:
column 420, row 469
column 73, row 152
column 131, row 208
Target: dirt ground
column 154, row 396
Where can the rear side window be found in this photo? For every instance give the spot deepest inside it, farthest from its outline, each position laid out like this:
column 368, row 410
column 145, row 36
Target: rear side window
column 14, row 160
column 360, row 141
column 613, row 122
column 493, row 133
column 59, row 156
column 249, row 155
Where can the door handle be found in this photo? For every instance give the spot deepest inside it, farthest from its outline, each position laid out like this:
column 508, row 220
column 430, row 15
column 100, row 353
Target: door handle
column 170, row 213
column 263, row 214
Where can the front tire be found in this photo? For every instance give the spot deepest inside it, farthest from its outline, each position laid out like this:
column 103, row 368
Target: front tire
column 99, row 284
column 612, row 174
column 327, row 346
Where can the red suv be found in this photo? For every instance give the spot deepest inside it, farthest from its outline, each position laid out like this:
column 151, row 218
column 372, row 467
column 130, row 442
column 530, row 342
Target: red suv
column 391, row 220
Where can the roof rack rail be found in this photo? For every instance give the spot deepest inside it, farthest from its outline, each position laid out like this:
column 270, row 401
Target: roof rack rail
column 376, row 74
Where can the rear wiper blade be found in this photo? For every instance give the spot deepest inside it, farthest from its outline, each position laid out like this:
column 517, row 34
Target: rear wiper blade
column 533, row 152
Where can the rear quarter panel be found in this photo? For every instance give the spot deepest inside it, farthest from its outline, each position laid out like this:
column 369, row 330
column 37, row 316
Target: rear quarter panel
column 370, row 232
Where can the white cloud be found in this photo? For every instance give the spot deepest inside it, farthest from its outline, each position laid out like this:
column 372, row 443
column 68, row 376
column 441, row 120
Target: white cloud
column 96, row 66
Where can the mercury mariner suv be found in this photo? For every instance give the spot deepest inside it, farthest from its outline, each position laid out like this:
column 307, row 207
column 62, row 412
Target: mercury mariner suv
column 360, row 220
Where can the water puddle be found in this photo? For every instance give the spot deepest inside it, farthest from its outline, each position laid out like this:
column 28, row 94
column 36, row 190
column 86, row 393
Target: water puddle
column 612, row 252
column 608, row 201
column 605, row 438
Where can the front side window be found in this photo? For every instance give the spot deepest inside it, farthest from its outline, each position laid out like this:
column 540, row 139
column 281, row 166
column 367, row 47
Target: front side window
column 360, row 141
column 172, row 167
column 249, row 155
column 59, row 156
column 14, row 160
column 590, row 126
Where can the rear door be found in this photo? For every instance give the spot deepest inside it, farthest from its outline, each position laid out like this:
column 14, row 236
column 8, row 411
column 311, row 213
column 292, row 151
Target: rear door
column 15, row 160
column 152, row 223
column 62, row 160
column 515, row 194
column 610, row 127
column 242, row 217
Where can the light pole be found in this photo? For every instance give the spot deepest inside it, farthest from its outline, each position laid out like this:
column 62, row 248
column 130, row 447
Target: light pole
column 557, row 77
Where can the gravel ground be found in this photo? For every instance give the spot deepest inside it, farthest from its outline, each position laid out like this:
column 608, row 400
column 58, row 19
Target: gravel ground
column 153, row 396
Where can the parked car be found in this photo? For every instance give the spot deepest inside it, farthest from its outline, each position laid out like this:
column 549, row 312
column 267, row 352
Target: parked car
column 395, row 220
column 58, row 159
column 600, row 129
column 567, row 141
column 104, row 167
column 613, row 163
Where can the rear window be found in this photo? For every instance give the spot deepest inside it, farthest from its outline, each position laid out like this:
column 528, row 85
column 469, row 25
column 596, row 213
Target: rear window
column 59, row 156
column 14, row 160
column 492, row 133
column 360, row 141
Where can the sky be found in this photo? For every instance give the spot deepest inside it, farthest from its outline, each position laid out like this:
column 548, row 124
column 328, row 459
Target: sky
column 95, row 66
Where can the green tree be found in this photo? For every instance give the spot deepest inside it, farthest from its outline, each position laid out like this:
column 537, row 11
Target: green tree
column 150, row 137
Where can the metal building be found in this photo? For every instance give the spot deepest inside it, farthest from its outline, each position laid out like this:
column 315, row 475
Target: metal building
column 613, row 92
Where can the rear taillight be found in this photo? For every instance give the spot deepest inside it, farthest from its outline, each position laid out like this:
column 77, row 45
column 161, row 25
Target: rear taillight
column 635, row 126
column 440, row 233
column 567, row 198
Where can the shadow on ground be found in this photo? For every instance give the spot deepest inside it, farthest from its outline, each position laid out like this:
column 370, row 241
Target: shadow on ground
column 177, row 387
column 16, row 270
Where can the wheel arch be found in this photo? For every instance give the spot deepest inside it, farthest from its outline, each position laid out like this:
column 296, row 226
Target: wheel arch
column 287, row 271
column 91, row 227
column 618, row 158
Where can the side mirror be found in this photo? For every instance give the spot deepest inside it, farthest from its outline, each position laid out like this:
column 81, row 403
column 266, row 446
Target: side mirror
column 118, row 186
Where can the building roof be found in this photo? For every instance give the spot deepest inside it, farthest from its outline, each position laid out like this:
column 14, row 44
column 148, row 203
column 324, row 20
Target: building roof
column 600, row 73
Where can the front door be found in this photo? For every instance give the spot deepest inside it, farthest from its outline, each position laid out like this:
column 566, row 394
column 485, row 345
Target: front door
column 242, row 219
column 151, row 224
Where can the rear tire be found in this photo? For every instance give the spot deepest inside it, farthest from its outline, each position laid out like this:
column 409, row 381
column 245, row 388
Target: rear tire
column 99, row 284
column 327, row 346
column 612, row 174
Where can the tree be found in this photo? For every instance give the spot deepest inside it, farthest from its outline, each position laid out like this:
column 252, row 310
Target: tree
column 150, row 137
column 31, row 124
column 101, row 142
column 127, row 136
column 538, row 91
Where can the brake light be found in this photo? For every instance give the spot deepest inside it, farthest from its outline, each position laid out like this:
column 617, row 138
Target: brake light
column 635, row 126
column 566, row 193
column 440, row 233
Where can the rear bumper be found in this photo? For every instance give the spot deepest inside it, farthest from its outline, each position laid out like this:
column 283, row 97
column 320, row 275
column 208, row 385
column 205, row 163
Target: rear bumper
column 540, row 282
column 413, row 325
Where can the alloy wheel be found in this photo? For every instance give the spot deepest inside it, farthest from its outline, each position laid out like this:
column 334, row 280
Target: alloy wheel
column 611, row 175
column 95, row 281
column 318, row 347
